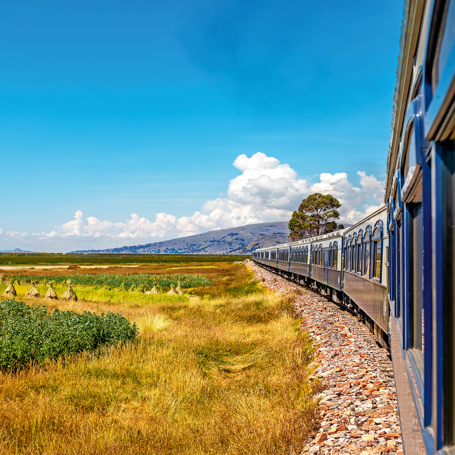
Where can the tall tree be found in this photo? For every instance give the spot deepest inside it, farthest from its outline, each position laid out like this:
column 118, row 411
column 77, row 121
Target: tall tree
column 317, row 214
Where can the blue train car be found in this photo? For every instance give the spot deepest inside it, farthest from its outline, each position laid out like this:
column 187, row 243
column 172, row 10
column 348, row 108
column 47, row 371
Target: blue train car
column 397, row 265
column 420, row 196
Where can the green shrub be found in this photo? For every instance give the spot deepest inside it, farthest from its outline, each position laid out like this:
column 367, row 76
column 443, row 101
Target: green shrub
column 111, row 281
column 32, row 334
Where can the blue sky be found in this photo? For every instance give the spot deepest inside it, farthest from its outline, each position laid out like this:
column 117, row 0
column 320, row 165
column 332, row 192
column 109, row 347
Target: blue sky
column 114, row 108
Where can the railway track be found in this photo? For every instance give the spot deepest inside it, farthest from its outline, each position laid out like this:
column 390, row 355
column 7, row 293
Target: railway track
column 358, row 412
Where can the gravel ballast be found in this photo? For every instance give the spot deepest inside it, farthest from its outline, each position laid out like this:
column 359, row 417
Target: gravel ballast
column 358, row 411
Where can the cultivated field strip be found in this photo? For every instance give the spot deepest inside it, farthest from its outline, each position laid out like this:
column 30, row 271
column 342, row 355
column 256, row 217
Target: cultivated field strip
column 358, row 411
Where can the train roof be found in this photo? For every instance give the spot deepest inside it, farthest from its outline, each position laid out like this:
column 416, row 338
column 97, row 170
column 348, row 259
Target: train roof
column 406, row 74
column 338, row 233
column 362, row 221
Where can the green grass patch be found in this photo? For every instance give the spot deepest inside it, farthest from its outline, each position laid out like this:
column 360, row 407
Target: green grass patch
column 112, row 259
column 134, row 282
column 32, row 334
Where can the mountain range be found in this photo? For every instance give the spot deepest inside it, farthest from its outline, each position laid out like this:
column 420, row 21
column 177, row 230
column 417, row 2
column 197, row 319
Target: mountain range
column 239, row 240
column 16, row 250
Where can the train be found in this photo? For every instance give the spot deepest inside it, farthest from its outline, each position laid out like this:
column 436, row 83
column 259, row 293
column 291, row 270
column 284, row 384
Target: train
column 395, row 268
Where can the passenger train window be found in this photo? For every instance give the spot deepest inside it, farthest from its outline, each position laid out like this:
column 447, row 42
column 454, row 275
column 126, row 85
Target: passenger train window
column 377, row 253
column 415, row 280
column 442, row 44
column 366, row 254
column 448, row 234
column 335, row 255
column 358, row 247
column 352, row 255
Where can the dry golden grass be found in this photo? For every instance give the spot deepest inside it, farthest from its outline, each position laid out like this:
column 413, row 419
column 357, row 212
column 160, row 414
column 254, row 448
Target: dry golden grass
column 224, row 375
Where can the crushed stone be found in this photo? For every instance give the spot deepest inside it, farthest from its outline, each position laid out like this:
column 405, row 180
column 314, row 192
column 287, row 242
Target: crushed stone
column 358, row 410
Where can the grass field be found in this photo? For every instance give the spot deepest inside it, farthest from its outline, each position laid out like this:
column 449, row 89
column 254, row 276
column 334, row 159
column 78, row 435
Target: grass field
column 225, row 371
column 112, row 259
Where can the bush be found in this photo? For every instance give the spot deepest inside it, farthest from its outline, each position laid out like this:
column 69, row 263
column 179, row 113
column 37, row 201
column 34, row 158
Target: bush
column 111, row 281
column 32, row 334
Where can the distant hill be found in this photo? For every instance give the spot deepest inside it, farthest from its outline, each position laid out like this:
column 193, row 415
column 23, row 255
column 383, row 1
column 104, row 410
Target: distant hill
column 16, row 250
column 239, row 240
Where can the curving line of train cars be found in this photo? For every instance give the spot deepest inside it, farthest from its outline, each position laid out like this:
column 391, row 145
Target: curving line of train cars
column 396, row 267
column 349, row 266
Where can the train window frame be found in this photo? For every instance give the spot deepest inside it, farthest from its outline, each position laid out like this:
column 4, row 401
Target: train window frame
column 376, row 238
column 347, row 252
column 335, row 255
column 367, row 241
column 416, row 309
column 353, row 251
column 353, row 241
column 351, row 257
column 438, row 86
column 329, row 261
column 359, row 251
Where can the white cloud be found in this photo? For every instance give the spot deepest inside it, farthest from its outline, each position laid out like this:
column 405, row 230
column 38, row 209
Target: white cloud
column 265, row 190
column 356, row 201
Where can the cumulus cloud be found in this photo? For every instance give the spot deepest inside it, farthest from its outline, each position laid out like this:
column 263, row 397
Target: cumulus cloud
column 265, row 190
column 356, row 201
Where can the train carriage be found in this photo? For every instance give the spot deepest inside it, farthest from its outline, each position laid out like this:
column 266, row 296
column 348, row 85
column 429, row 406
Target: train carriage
column 420, row 197
column 325, row 263
column 397, row 265
column 365, row 270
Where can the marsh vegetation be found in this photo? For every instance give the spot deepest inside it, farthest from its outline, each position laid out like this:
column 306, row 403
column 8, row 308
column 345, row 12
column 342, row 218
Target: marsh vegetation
column 222, row 369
